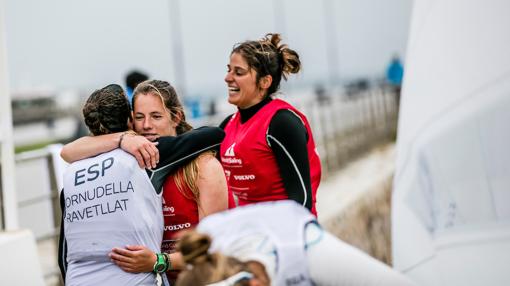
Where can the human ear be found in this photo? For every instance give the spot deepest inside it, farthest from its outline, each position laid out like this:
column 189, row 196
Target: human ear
column 265, row 82
column 176, row 118
column 130, row 121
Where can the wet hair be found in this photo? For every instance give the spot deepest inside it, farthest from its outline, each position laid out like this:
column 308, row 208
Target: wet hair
column 166, row 92
column 107, row 110
column 204, row 267
column 268, row 56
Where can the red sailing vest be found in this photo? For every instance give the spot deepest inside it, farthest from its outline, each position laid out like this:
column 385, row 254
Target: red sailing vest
column 179, row 212
column 250, row 166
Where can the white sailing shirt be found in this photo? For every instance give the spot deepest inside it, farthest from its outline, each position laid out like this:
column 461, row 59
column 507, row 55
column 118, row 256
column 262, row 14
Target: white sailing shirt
column 109, row 202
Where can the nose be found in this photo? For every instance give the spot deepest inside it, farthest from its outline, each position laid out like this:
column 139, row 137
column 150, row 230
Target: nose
column 228, row 77
column 146, row 124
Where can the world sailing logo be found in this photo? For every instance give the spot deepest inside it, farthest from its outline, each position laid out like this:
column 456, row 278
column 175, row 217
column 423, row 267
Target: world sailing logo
column 229, row 156
column 230, row 151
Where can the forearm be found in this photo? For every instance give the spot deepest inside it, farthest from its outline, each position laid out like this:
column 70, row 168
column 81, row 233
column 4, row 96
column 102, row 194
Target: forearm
column 177, row 261
column 143, row 150
column 177, row 151
column 89, row 146
column 139, row 258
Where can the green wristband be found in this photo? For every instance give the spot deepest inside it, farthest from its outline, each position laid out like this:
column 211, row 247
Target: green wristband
column 168, row 260
column 161, row 265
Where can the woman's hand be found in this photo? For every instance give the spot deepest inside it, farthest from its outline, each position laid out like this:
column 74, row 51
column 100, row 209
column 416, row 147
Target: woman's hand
column 142, row 149
column 134, row 258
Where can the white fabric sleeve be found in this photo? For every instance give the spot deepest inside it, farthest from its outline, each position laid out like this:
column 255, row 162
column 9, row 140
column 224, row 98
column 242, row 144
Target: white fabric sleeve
column 334, row 262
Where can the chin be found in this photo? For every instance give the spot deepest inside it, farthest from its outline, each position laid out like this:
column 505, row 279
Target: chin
column 232, row 101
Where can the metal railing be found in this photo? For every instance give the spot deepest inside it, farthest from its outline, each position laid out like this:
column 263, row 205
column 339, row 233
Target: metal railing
column 38, row 201
column 347, row 126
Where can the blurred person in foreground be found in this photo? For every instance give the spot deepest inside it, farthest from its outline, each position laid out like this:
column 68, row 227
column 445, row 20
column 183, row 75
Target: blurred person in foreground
column 275, row 243
column 192, row 192
column 109, row 200
column 268, row 152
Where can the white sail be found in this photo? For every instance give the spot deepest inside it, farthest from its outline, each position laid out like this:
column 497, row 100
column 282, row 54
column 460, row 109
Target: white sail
column 451, row 202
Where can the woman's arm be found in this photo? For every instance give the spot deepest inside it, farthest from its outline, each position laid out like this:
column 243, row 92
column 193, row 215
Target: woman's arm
column 175, row 152
column 212, row 186
column 166, row 155
column 142, row 149
column 85, row 147
column 138, row 259
column 185, row 147
column 288, row 137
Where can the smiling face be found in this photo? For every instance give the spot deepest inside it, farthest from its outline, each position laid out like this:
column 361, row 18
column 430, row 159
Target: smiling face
column 151, row 118
column 243, row 89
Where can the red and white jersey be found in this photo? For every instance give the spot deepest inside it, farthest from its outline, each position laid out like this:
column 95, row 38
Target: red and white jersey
column 250, row 165
column 180, row 211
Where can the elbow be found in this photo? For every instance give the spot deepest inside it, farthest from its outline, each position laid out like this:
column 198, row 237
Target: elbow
column 65, row 154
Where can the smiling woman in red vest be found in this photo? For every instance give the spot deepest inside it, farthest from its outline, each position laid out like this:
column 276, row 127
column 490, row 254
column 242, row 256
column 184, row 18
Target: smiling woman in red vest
column 268, row 152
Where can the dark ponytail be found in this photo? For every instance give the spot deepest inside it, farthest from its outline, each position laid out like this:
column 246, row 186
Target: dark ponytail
column 268, row 56
column 107, row 110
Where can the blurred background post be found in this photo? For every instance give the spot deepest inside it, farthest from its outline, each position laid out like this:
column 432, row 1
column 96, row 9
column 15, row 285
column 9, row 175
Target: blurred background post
column 17, row 246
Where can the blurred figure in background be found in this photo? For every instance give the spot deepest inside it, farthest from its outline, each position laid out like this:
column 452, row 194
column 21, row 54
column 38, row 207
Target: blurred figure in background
column 275, row 243
column 321, row 94
column 133, row 78
column 212, row 108
column 394, row 75
column 268, row 152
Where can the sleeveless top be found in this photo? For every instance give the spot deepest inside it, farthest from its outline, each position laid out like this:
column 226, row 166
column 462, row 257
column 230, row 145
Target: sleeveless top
column 109, row 202
column 180, row 212
column 250, row 166
column 272, row 233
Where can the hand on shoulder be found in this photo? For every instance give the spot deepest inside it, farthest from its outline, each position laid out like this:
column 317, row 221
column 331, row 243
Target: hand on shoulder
column 141, row 148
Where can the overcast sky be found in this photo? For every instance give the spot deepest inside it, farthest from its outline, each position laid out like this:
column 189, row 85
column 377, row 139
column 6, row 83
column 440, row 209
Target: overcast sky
column 85, row 44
